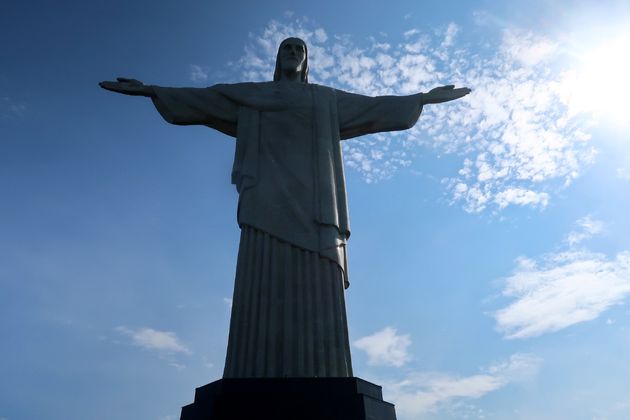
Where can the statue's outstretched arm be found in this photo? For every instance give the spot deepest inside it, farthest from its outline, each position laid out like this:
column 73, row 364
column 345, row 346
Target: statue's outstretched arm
column 184, row 106
column 443, row 94
column 360, row 115
column 128, row 87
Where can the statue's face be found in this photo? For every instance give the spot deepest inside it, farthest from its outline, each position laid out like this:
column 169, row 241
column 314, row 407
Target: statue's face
column 292, row 55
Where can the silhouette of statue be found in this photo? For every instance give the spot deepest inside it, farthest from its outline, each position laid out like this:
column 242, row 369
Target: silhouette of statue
column 288, row 313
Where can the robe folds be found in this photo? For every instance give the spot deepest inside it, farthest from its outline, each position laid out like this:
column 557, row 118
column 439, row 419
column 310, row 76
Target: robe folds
column 288, row 171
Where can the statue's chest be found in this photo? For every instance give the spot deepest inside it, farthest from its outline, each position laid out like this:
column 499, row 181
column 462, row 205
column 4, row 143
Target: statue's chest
column 290, row 126
column 296, row 97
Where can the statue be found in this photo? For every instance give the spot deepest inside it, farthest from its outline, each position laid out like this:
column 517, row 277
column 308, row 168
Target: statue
column 288, row 315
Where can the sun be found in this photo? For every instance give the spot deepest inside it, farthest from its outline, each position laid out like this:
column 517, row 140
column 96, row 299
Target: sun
column 602, row 79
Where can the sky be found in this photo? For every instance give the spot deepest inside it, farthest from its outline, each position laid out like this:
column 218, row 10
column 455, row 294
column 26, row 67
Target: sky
column 490, row 248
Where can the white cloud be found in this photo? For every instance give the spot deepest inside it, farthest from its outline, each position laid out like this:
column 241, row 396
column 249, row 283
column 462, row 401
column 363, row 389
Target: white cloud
column 561, row 290
column 521, row 197
column 527, row 48
column 516, row 133
column 449, row 36
column 320, row 35
column 198, row 74
column 587, row 227
column 148, row 338
column 590, row 225
column 411, row 32
column 419, row 393
column 385, row 347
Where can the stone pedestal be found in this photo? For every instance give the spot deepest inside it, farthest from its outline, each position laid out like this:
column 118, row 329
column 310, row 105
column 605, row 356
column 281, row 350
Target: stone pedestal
column 289, row 399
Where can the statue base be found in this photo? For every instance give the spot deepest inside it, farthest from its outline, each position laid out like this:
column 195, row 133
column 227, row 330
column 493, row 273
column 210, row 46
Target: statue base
column 289, row 399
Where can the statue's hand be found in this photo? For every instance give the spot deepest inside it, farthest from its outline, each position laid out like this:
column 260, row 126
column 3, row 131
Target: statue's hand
column 128, row 87
column 444, row 94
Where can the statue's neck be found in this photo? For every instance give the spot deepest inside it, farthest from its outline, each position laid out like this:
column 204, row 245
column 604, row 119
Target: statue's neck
column 291, row 77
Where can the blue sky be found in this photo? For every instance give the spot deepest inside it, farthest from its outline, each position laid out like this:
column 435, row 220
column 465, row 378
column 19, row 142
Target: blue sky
column 490, row 254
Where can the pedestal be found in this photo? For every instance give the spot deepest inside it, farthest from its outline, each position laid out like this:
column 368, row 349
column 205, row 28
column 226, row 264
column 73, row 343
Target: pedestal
column 289, row 399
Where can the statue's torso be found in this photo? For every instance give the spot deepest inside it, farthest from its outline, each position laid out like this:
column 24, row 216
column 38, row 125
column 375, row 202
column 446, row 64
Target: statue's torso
column 285, row 185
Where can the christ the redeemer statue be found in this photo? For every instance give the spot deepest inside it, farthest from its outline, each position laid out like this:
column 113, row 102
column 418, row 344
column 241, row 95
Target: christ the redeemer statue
column 288, row 311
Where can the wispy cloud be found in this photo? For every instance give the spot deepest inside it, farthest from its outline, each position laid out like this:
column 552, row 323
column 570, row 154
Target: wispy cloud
column 560, row 290
column 148, row 338
column 623, row 173
column 518, row 141
column 11, row 108
column 177, row 366
column 449, row 35
column 587, row 227
column 385, row 347
column 423, row 392
column 228, row 302
column 207, row 363
column 198, row 74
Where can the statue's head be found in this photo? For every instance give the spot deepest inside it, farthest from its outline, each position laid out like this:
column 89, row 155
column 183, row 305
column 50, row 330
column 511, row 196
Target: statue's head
column 292, row 57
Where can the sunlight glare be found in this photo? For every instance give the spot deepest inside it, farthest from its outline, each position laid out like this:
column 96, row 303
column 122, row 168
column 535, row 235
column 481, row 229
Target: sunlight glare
column 601, row 82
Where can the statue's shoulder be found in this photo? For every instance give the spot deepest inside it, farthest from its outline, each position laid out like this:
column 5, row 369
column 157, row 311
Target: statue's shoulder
column 264, row 86
column 239, row 91
column 239, row 85
column 324, row 91
column 322, row 88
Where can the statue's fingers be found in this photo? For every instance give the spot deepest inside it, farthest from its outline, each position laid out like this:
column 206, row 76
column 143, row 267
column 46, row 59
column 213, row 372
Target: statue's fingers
column 449, row 87
column 128, row 80
column 111, row 86
column 106, row 85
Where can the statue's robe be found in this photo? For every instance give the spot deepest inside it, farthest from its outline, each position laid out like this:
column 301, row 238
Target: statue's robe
column 288, row 310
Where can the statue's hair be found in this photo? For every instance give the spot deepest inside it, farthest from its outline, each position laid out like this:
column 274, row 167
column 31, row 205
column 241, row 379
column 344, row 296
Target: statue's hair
column 278, row 71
